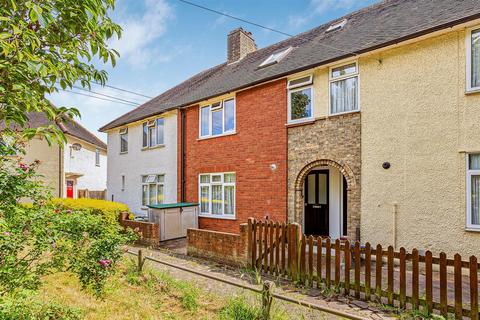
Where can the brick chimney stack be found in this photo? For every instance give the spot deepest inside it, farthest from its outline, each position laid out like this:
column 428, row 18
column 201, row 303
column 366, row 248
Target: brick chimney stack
column 239, row 44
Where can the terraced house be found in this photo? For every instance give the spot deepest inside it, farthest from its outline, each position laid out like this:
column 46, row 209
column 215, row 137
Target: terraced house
column 366, row 127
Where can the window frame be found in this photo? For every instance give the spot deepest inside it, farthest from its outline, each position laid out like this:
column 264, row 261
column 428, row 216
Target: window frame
column 123, row 132
column 211, row 109
column 271, row 59
column 469, row 173
column 148, row 184
column 289, row 103
column 97, row 157
column 469, row 65
column 209, row 214
column 123, row 182
column 332, row 79
column 152, row 123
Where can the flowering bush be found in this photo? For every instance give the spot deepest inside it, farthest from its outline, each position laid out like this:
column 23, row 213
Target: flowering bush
column 41, row 238
column 109, row 209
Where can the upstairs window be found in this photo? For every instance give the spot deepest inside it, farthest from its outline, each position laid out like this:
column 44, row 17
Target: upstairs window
column 300, row 99
column 473, row 191
column 153, row 133
column 123, row 140
column 473, row 60
column 152, row 189
column 275, row 57
column 344, row 89
column 97, row 157
column 217, row 118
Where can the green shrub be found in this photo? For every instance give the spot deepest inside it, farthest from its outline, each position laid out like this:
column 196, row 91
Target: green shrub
column 109, row 209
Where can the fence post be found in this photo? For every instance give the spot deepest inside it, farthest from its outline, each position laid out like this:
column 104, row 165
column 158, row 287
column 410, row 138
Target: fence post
column 250, row 262
column 141, row 261
column 267, row 299
column 294, row 234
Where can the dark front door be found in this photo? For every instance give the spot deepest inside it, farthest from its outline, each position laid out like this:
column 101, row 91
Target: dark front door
column 316, row 203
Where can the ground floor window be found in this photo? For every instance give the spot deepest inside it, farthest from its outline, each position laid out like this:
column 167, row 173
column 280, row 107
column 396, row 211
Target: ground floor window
column 152, row 189
column 217, row 194
column 473, row 191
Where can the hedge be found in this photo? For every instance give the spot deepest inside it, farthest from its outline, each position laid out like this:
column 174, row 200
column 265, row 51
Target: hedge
column 111, row 210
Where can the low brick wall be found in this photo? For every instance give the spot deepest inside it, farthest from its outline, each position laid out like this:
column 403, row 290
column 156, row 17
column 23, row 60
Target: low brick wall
column 224, row 247
column 149, row 232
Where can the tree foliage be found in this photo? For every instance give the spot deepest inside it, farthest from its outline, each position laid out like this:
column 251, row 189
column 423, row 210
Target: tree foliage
column 46, row 45
column 299, row 104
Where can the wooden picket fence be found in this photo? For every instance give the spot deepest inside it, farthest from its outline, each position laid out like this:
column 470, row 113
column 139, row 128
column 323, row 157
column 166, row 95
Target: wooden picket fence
column 365, row 272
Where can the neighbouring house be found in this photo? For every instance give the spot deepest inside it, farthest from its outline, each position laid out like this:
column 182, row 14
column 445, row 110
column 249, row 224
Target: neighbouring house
column 365, row 127
column 78, row 167
column 142, row 165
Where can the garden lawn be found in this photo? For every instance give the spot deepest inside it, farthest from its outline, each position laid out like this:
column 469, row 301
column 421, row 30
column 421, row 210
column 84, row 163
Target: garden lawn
column 152, row 295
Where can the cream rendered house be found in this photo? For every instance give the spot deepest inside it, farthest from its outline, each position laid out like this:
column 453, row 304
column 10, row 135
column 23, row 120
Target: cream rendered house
column 142, row 162
column 79, row 165
column 396, row 158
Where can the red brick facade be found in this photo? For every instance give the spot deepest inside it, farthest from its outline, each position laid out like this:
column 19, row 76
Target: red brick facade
column 259, row 143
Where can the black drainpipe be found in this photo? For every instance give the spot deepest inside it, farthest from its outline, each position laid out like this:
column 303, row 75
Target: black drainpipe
column 182, row 112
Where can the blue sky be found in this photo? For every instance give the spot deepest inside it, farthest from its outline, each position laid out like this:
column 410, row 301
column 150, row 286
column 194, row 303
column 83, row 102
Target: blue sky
column 166, row 41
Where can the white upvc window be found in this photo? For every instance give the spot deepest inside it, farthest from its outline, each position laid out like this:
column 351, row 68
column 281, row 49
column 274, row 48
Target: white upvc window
column 344, row 96
column 97, row 157
column 153, row 133
column 123, row 140
column 218, row 118
column 473, row 59
column 152, row 189
column 473, row 191
column 217, row 195
column 300, row 99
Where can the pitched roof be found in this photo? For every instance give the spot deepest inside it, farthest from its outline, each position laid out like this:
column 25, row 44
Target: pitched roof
column 69, row 126
column 373, row 27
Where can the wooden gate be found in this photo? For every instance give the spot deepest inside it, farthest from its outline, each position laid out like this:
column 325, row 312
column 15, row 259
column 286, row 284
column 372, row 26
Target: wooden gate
column 408, row 280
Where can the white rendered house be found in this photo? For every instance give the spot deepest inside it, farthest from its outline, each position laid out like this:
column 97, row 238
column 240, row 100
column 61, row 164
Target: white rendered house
column 142, row 162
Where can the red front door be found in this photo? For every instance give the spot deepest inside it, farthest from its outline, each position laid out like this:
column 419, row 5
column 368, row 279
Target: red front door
column 69, row 188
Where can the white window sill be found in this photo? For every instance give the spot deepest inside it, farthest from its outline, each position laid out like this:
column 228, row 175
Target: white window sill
column 300, row 122
column 158, row 146
column 343, row 113
column 212, row 216
column 217, row 136
column 472, row 91
column 124, row 152
column 472, row 229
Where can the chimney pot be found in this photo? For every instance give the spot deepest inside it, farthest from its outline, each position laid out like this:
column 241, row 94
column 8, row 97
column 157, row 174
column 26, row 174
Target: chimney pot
column 239, row 43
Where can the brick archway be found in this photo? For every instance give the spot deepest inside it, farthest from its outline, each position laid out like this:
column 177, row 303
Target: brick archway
column 353, row 216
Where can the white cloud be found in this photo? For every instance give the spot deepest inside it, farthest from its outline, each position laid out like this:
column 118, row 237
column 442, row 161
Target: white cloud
column 140, row 32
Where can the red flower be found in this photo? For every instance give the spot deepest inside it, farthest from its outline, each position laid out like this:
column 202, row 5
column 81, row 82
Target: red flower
column 23, row 166
column 104, row 262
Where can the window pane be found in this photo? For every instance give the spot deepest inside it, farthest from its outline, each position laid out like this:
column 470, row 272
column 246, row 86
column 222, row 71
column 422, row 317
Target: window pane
column 204, row 199
column 229, row 199
column 144, row 179
column 205, row 115
column 217, row 178
column 311, row 189
column 152, row 194
column 217, row 119
column 475, row 200
column 344, row 70
column 145, row 135
column 229, row 115
column 151, row 136
column 161, row 178
column 476, row 58
column 300, row 82
column 301, row 104
column 159, row 193
column 229, row 177
column 160, row 129
column 343, row 95
column 123, row 143
column 474, row 161
column 144, row 195
column 205, row 178
column 322, row 189
column 217, row 202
